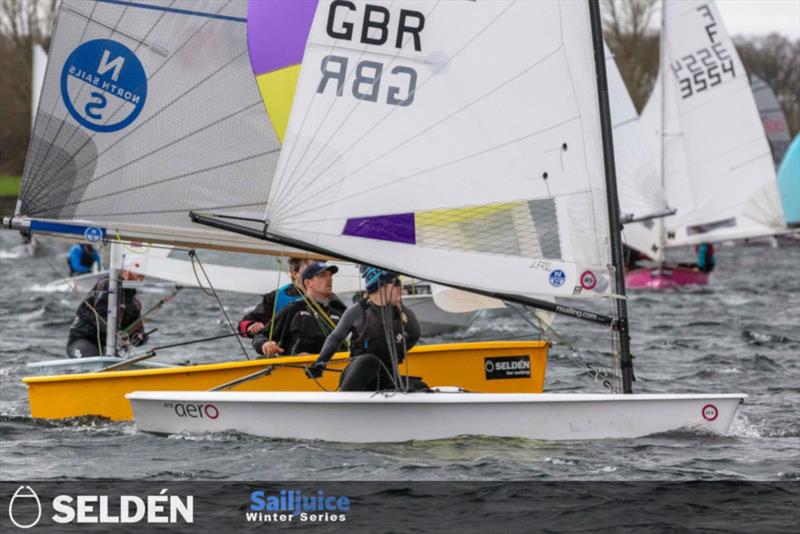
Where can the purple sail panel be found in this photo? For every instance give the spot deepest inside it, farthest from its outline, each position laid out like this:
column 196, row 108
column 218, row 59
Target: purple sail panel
column 277, row 31
column 398, row 228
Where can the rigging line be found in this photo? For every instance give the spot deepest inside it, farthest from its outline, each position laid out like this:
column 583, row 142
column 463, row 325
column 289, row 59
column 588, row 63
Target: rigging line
column 328, row 203
column 83, row 86
column 146, row 121
column 288, row 202
column 190, row 12
column 289, row 186
column 180, row 210
column 165, row 180
column 149, row 79
column 163, row 147
column 194, row 255
column 38, row 169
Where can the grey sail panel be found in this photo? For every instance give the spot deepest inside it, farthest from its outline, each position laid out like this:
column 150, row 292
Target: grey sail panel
column 149, row 111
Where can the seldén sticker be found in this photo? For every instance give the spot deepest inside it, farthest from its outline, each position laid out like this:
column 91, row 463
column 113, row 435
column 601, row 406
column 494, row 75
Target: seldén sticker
column 103, row 85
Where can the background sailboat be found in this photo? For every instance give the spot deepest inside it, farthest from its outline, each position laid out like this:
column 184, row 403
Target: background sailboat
column 715, row 166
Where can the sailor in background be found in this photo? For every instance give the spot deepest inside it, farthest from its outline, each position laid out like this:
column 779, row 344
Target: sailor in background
column 381, row 331
column 82, row 258
column 275, row 301
column 706, row 259
column 303, row 325
column 87, row 335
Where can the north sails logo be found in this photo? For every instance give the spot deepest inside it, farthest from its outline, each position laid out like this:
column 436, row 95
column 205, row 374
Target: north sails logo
column 18, row 512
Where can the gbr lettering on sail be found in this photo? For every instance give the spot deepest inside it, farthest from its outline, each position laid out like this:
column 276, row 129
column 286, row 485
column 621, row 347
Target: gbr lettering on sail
column 373, row 80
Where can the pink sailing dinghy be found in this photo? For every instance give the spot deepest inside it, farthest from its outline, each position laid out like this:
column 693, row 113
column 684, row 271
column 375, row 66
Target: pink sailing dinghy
column 664, row 277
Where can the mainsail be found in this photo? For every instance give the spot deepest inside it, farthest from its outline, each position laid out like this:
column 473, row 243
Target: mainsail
column 717, row 166
column 455, row 141
column 789, row 183
column 149, row 110
column 772, row 118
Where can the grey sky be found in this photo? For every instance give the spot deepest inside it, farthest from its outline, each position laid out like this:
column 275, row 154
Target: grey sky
column 758, row 17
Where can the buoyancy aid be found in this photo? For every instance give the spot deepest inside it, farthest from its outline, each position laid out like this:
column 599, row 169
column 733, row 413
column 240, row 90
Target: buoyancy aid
column 371, row 336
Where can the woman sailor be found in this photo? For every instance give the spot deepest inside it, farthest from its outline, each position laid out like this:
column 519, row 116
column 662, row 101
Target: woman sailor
column 381, row 332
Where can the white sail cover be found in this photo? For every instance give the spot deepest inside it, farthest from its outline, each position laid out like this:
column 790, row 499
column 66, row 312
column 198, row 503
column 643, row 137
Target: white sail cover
column 458, row 142
column 718, row 170
column 640, row 192
column 149, row 110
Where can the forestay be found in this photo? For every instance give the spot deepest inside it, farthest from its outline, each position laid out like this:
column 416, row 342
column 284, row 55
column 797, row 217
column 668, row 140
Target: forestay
column 149, row 110
column 454, row 141
column 717, row 166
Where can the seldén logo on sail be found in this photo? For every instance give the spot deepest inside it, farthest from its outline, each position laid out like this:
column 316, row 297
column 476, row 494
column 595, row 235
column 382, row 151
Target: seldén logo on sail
column 103, row 85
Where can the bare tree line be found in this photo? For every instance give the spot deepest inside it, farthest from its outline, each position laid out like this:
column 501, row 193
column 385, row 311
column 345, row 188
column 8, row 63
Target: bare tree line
column 628, row 28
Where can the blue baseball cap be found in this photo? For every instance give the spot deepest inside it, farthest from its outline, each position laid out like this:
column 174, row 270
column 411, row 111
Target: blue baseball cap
column 318, row 268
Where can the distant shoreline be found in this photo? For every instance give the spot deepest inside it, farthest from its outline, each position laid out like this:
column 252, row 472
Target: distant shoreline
column 7, row 205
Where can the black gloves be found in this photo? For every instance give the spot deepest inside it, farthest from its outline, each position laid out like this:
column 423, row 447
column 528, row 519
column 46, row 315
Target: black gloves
column 316, row 369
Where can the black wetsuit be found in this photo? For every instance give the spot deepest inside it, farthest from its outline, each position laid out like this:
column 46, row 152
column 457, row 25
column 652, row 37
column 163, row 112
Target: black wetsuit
column 299, row 329
column 88, row 326
column 371, row 369
column 263, row 312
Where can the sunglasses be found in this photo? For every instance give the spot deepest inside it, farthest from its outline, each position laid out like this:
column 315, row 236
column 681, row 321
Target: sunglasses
column 397, row 283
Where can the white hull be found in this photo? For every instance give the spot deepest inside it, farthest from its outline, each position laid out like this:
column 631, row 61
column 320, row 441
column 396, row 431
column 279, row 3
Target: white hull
column 368, row 417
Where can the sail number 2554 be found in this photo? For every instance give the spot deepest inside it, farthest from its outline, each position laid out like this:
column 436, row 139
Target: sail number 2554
column 375, row 26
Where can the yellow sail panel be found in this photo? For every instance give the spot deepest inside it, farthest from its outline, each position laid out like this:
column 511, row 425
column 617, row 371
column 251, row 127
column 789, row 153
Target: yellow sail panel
column 277, row 91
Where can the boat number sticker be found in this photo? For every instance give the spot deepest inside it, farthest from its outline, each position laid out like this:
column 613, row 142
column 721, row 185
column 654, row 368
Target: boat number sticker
column 710, row 412
column 103, row 85
column 557, row 278
column 588, row 280
column 93, row 234
column 507, row 367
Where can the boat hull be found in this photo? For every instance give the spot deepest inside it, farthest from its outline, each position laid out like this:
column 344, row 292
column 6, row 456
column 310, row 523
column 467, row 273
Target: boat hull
column 664, row 278
column 459, row 364
column 363, row 417
column 86, row 365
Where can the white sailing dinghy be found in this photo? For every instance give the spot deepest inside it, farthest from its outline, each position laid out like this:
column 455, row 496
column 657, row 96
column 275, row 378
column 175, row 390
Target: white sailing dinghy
column 477, row 155
column 715, row 164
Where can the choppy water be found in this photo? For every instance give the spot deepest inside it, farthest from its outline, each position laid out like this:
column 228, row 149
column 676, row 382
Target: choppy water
column 739, row 334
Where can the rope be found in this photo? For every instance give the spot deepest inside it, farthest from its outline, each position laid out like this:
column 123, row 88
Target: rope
column 597, row 374
column 193, row 255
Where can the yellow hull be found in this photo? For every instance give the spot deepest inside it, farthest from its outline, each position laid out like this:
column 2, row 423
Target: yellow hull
column 477, row 367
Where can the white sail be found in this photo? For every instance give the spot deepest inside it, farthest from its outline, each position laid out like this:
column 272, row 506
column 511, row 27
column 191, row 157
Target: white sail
column 640, row 192
column 149, row 111
column 718, row 170
column 466, row 152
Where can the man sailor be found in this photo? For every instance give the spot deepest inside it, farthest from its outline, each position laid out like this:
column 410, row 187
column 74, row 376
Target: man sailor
column 301, row 328
column 81, row 258
column 375, row 353
column 275, row 301
column 87, row 335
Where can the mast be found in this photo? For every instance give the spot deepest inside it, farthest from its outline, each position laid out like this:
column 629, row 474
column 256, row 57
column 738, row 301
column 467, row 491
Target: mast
column 662, row 63
column 612, row 199
column 114, row 291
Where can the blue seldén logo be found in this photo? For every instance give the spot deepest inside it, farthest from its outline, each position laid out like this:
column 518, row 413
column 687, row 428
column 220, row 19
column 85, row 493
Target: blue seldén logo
column 103, row 85
column 557, row 278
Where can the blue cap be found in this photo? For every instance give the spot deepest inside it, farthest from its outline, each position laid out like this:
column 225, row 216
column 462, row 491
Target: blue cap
column 318, row 268
column 374, row 278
